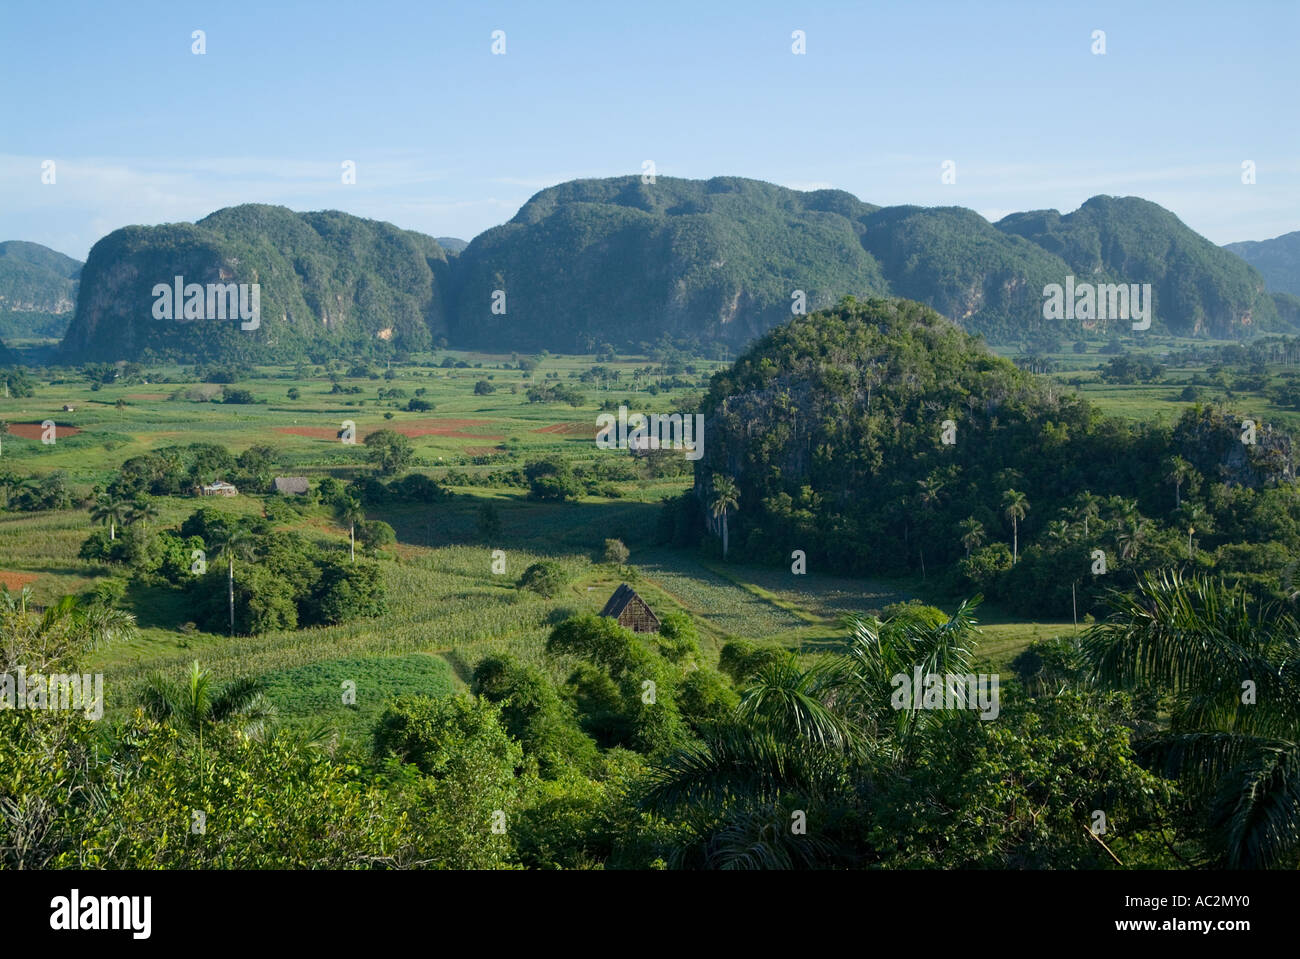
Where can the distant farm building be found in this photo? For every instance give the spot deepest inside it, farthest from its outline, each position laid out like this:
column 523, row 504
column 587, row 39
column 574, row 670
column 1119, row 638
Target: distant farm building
column 219, row 488
column 631, row 611
column 291, row 485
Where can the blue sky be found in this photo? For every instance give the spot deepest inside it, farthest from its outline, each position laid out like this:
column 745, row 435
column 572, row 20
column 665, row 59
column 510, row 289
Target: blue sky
column 450, row 140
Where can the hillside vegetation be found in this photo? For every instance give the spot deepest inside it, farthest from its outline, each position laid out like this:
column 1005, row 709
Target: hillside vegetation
column 328, row 281
column 1277, row 260
column 38, row 291
column 597, row 265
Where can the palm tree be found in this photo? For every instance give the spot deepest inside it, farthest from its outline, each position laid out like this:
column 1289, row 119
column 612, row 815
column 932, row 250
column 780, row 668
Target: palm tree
column 1199, row 641
column 928, row 496
column 349, row 513
column 1058, row 531
column 1132, row 539
column 1089, row 508
column 1125, row 509
column 930, row 488
column 1196, row 518
column 230, row 541
column 796, row 738
column 793, row 702
column 143, row 510
column 9, row 482
column 726, row 497
column 1014, row 508
column 42, row 640
column 1178, row 471
column 972, row 534
column 193, row 703
column 109, row 511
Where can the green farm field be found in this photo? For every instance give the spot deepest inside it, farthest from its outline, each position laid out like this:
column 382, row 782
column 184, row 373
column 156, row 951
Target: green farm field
column 446, row 608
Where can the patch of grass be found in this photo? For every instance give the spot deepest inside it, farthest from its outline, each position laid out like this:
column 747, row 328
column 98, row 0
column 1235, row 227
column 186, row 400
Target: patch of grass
column 313, row 694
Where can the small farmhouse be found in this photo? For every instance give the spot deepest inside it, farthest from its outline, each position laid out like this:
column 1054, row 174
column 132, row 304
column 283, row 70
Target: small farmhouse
column 631, row 611
column 218, row 488
column 290, row 485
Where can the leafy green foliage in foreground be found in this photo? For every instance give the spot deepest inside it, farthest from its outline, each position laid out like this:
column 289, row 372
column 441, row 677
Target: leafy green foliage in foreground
column 804, row 766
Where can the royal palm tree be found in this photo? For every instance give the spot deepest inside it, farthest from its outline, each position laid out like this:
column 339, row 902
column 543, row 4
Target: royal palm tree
column 143, row 510
column 1014, row 508
column 928, row 496
column 726, row 497
column 1230, row 667
column 194, row 703
column 230, row 542
column 109, row 510
column 1058, row 531
column 1124, row 510
column 349, row 513
column 1197, row 519
column 1089, row 508
column 972, row 534
column 1178, row 471
column 1132, row 538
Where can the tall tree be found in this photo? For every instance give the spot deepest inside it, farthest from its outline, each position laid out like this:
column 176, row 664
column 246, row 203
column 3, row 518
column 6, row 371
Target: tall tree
column 230, row 542
column 726, row 497
column 109, row 510
column 972, row 534
column 1178, row 471
column 1014, row 508
column 143, row 510
column 349, row 514
column 1089, row 508
column 1132, row 537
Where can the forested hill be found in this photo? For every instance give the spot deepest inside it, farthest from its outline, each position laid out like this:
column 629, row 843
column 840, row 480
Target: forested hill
column 1200, row 289
column 327, row 281
column 1278, row 260
column 879, row 438
column 622, row 262
column 38, row 290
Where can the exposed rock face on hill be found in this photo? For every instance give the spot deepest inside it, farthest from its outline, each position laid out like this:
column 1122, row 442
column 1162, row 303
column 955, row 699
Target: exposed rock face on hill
column 625, row 263
column 38, row 290
column 1199, row 288
column 327, row 282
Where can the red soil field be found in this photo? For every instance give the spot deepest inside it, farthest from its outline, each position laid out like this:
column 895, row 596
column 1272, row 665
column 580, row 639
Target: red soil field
column 16, row 581
column 410, row 428
column 32, row 431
